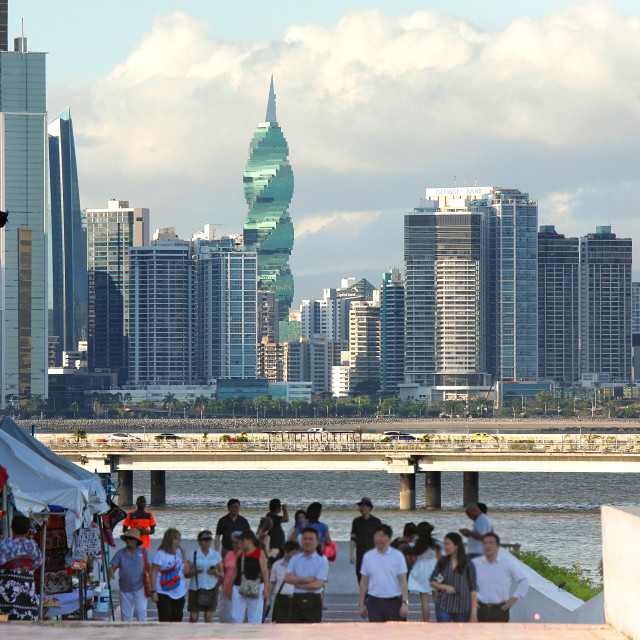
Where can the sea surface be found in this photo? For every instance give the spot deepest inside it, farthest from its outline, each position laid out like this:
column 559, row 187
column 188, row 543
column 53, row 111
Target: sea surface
column 556, row 514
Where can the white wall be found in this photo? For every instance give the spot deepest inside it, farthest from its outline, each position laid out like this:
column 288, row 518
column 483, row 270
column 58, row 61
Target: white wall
column 621, row 564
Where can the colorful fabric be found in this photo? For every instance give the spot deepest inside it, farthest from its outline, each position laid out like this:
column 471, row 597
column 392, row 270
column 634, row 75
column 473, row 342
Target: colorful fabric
column 134, row 520
column 320, row 527
column 22, row 548
column 18, row 598
column 170, row 565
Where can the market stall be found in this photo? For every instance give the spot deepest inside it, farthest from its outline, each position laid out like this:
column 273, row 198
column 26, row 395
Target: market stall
column 68, row 538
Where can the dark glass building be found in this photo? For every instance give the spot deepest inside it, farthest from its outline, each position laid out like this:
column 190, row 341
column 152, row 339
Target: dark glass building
column 67, row 242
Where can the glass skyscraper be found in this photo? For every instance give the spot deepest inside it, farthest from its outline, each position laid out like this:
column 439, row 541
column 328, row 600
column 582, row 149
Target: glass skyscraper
column 558, row 287
column 510, row 249
column 392, row 330
column 67, row 241
column 23, row 246
column 268, row 189
column 605, row 306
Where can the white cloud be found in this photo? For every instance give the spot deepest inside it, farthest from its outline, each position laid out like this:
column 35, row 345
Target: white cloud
column 393, row 103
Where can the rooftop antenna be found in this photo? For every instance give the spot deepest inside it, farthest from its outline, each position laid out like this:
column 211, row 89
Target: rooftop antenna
column 455, row 181
column 22, row 41
column 475, row 181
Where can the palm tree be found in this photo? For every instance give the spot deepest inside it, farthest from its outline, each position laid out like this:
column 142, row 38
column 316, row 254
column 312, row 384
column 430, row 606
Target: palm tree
column 200, row 403
column 169, row 402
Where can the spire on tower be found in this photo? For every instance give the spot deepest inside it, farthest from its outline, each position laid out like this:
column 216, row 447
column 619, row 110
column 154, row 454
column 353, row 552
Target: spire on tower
column 271, row 105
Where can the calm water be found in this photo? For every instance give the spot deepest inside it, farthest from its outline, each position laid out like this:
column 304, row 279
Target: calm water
column 557, row 514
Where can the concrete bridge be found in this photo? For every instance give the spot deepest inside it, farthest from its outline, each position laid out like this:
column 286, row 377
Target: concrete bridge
column 554, row 453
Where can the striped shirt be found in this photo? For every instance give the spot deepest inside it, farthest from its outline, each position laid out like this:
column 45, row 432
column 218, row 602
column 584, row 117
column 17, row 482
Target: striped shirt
column 464, row 583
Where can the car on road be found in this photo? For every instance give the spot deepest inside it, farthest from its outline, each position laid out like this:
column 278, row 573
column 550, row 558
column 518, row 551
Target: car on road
column 123, row 437
column 483, row 437
column 399, row 436
column 166, row 437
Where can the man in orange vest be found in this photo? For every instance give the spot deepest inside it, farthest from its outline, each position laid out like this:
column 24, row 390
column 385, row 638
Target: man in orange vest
column 141, row 520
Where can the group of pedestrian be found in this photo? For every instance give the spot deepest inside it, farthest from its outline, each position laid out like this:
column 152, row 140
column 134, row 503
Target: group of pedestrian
column 467, row 585
column 246, row 575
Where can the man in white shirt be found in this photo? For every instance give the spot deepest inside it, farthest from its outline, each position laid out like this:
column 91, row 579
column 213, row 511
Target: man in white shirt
column 384, row 595
column 495, row 571
column 307, row 572
column 481, row 525
column 284, row 592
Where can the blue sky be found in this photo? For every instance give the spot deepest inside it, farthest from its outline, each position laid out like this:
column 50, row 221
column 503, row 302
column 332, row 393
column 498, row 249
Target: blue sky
column 377, row 102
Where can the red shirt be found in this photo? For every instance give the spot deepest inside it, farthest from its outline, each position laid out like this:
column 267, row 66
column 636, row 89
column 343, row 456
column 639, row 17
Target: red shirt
column 146, row 521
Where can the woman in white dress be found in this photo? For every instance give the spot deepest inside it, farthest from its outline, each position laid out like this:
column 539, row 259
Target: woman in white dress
column 426, row 552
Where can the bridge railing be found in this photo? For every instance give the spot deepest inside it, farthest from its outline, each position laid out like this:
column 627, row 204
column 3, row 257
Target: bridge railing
column 558, row 445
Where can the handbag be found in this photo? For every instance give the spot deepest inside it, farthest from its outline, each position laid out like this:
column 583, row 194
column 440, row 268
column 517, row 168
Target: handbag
column 248, row 588
column 330, row 551
column 204, row 597
column 146, row 578
column 169, row 578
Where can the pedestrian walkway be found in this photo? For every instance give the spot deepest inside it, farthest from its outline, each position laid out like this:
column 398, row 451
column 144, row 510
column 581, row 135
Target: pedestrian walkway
column 339, row 608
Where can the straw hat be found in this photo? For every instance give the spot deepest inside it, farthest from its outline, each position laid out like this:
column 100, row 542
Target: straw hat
column 132, row 533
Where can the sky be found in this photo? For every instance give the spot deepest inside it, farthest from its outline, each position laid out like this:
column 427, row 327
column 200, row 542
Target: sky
column 377, row 101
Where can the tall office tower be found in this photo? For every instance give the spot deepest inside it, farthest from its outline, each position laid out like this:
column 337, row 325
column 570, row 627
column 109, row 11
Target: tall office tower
column 558, row 287
column 111, row 233
column 4, row 25
column 510, row 245
column 268, row 189
column 605, row 306
column 226, row 311
column 23, row 194
column 67, row 242
column 420, row 298
column 635, row 329
column 161, row 314
column 268, row 327
column 392, row 330
column 364, row 348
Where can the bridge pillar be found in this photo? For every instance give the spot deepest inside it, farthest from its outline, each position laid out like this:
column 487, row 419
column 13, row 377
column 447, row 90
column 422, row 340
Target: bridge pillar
column 470, row 487
column 125, row 490
column 432, row 490
column 158, row 488
column 407, row 491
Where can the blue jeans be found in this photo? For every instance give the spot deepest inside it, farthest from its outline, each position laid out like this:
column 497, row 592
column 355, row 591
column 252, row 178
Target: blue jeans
column 445, row 616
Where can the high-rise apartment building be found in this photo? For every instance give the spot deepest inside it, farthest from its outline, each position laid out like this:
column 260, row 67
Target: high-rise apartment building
column 67, row 242
column 268, row 189
column 392, row 330
column 635, row 329
column 470, row 289
column 558, row 305
column 268, row 324
column 364, row 348
column 23, row 194
column 510, row 282
column 330, row 316
column 161, row 315
column 226, row 311
column 605, row 306
column 111, row 233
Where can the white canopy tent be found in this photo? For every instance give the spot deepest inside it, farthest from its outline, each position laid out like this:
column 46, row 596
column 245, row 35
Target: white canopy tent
column 37, row 483
column 90, row 481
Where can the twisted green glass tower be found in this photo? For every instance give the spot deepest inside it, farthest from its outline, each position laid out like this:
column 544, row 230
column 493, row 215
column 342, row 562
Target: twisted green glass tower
column 268, row 189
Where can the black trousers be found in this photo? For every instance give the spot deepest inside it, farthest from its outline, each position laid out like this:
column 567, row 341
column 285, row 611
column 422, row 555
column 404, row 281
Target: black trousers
column 306, row 607
column 281, row 609
column 492, row 613
column 170, row 610
column 383, row 609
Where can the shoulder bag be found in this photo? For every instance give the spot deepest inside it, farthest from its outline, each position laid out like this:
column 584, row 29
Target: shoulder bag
column 204, row 597
column 248, row 588
column 146, row 578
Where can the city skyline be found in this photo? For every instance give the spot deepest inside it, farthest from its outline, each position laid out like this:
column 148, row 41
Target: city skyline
column 547, row 123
